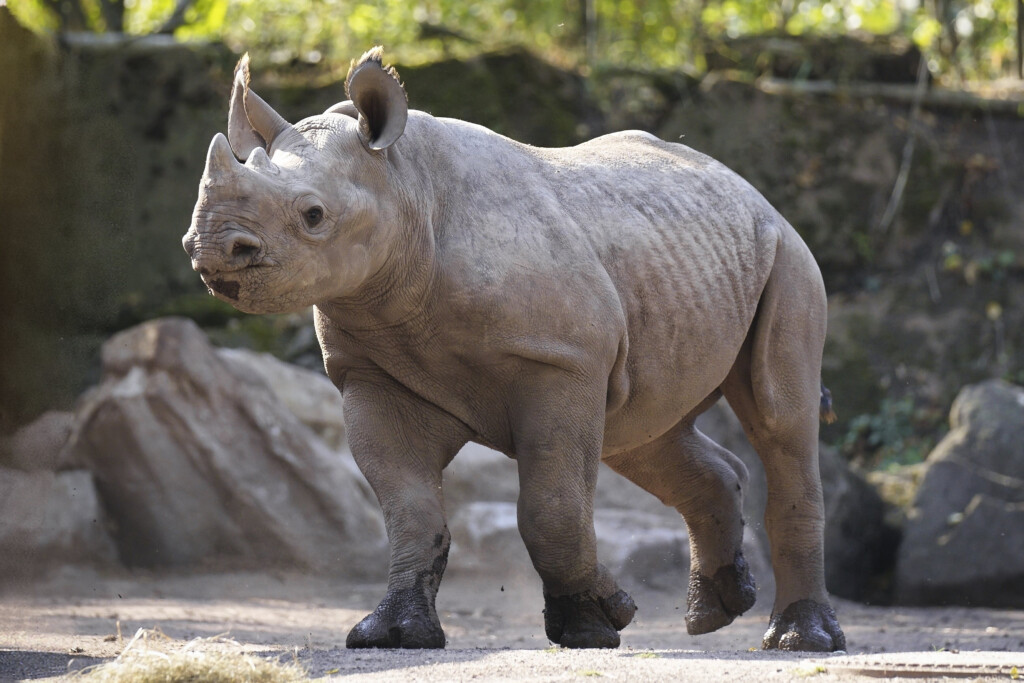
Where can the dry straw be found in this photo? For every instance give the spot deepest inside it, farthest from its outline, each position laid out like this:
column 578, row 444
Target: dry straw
column 152, row 657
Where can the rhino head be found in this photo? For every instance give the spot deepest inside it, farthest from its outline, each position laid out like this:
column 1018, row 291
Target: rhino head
column 290, row 216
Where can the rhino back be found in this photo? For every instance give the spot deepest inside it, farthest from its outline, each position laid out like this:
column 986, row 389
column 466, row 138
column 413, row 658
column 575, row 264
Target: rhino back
column 616, row 203
column 663, row 249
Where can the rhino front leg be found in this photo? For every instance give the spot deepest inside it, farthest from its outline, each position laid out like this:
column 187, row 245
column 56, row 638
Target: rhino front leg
column 558, row 448
column 402, row 444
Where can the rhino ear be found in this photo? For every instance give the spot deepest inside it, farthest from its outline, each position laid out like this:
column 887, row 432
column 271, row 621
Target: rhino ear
column 252, row 122
column 379, row 98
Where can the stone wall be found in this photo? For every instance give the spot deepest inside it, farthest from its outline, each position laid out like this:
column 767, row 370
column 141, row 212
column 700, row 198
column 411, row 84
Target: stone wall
column 101, row 149
column 103, row 143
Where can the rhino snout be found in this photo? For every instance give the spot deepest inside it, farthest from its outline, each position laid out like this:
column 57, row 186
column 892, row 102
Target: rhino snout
column 224, row 251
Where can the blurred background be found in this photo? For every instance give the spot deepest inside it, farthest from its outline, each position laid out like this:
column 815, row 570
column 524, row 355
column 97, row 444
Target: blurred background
column 889, row 132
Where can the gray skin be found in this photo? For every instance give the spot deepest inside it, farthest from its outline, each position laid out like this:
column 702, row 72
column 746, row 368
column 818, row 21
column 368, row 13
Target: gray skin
column 563, row 306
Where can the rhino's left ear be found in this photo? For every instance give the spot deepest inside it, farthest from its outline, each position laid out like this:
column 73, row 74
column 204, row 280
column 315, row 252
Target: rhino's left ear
column 379, row 98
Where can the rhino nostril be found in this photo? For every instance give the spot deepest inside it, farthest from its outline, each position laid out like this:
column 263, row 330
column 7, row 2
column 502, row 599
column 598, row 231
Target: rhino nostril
column 242, row 250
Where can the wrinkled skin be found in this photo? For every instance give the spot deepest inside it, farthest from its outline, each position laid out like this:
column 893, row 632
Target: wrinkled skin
column 563, row 306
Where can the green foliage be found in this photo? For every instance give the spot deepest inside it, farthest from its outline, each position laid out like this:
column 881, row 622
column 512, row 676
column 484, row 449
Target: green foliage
column 204, row 18
column 36, row 15
column 974, row 39
column 900, row 433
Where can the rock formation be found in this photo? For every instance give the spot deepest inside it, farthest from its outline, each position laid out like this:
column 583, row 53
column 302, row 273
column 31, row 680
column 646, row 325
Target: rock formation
column 964, row 538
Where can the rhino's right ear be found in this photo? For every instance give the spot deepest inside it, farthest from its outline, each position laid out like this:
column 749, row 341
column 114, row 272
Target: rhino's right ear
column 346, row 108
column 380, row 99
column 252, row 122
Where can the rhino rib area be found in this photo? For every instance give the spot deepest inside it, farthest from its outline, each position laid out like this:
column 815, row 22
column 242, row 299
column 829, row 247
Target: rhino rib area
column 704, row 253
column 624, row 261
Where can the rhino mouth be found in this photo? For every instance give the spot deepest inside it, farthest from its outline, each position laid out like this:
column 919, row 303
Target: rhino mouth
column 227, row 288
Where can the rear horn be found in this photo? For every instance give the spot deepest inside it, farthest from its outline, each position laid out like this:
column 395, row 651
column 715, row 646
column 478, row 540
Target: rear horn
column 252, row 122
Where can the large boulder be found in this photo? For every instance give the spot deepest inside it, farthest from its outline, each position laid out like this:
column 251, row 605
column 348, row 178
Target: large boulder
column 860, row 543
column 50, row 519
column 196, row 467
column 37, row 445
column 310, row 395
column 478, row 473
column 964, row 535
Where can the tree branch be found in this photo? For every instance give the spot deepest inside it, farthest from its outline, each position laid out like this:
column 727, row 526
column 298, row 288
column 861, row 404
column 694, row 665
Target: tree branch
column 177, row 18
column 896, row 198
column 112, row 12
column 70, row 14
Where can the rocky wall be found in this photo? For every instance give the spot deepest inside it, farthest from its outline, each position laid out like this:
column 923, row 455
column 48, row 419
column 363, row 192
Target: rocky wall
column 104, row 142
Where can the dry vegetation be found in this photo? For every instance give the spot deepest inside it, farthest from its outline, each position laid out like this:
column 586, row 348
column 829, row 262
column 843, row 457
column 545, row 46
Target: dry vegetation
column 152, row 657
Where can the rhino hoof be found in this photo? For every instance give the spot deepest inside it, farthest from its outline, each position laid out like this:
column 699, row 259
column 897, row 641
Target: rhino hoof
column 583, row 620
column 399, row 621
column 713, row 602
column 805, row 625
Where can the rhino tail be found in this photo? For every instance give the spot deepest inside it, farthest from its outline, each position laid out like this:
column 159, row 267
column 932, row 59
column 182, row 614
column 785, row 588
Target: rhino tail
column 827, row 414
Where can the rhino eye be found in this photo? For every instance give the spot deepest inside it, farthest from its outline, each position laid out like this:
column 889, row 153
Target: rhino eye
column 313, row 216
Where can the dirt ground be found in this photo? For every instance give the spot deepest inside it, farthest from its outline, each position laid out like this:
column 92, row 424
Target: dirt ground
column 494, row 626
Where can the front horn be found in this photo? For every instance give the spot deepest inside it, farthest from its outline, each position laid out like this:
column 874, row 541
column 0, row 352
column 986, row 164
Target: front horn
column 220, row 160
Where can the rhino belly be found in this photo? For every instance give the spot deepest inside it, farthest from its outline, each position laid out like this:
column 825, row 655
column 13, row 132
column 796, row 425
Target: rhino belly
column 686, row 325
column 663, row 390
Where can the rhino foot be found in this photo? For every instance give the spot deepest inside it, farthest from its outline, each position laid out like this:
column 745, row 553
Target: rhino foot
column 584, row 620
column 403, row 619
column 713, row 602
column 805, row 625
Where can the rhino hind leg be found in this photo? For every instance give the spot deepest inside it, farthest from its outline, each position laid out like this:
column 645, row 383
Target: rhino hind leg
column 713, row 602
column 775, row 390
column 704, row 482
column 805, row 625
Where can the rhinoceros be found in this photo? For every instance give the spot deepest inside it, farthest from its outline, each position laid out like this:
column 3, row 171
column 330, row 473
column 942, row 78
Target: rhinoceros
column 566, row 307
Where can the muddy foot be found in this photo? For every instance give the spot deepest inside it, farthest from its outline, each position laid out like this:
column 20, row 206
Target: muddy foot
column 583, row 620
column 805, row 625
column 403, row 619
column 714, row 602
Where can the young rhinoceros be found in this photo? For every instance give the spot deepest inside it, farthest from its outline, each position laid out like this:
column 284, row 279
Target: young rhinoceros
column 566, row 307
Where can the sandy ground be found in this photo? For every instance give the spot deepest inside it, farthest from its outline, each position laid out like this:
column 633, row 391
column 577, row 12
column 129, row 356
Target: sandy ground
column 494, row 627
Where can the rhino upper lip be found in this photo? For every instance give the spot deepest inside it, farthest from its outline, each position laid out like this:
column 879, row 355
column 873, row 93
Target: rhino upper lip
column 228, row 288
